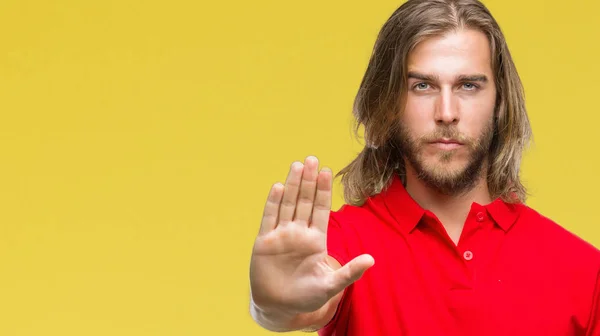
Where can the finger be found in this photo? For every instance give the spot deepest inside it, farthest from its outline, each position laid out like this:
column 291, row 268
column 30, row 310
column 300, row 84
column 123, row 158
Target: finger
column 290, row 193
column 271, row 211
column 306, row 196
column 322, row 203
column 349, row 273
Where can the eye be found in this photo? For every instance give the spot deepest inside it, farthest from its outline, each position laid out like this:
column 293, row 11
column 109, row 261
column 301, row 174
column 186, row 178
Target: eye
column 421, row 86
column 470, row 86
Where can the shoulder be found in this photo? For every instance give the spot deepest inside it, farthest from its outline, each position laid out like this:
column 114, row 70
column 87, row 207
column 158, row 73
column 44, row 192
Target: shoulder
column 360, row 216
column 349, row 213
column 547, row 233
column 348, row 228
column 349, row 217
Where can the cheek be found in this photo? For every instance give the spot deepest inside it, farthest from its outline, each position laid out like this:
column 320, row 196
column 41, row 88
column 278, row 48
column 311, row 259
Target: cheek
column 476, row 115
column 418, row 115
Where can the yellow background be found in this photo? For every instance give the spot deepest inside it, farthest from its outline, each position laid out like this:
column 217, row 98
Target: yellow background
column 139, row 139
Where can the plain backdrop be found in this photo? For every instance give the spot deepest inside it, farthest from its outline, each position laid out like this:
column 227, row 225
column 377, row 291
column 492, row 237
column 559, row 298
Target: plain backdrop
column 139, row 140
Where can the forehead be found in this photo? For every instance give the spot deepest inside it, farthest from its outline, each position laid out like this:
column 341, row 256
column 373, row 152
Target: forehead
column 456, row 52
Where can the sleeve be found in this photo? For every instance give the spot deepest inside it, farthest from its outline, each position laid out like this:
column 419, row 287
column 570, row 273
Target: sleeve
column 336, row 248
column 594, row 324
column 336, row 243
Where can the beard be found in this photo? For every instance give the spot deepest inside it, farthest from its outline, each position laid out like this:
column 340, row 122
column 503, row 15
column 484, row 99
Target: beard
column 440, row 174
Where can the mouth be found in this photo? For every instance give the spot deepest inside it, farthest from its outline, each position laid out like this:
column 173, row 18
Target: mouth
column 446, row 144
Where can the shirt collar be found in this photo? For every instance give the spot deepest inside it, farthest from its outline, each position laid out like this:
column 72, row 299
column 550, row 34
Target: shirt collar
column 503, row 213
column 405, row 210
column 408, row 213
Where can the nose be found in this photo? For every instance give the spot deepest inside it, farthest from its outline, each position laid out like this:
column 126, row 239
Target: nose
column 447, row 109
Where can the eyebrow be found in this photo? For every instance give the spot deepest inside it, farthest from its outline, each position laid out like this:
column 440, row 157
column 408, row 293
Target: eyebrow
column 462, row 78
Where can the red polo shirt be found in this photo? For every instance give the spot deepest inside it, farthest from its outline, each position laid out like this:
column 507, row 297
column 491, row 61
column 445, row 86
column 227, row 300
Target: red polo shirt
column 513, row 272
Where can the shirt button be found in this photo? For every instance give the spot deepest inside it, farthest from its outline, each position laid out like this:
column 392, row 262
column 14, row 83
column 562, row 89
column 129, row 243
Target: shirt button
column 480, row 216
column 468, row 255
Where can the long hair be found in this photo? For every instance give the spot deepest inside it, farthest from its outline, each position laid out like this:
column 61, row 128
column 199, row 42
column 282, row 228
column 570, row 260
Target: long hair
column 382, row 93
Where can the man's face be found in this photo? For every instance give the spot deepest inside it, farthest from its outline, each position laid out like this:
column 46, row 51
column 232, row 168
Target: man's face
column 447, row 124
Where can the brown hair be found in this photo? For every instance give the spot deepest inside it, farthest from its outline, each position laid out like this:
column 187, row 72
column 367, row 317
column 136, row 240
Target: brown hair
column 381, row 92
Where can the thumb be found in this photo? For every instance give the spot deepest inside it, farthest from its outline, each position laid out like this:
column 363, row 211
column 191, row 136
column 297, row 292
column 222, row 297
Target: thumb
column 351, row 272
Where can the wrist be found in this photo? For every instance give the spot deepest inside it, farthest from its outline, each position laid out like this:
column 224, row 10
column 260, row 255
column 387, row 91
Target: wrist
column 272, row 319
column 280, row 320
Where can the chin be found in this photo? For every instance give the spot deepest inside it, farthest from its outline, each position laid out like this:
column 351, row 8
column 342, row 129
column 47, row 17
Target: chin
column 446, row 161
column 444, row 170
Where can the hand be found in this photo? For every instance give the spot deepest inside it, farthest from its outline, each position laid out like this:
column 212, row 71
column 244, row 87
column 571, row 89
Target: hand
column 289, row 269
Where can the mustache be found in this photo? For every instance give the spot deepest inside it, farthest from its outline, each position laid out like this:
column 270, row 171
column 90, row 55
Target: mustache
column 450, row 133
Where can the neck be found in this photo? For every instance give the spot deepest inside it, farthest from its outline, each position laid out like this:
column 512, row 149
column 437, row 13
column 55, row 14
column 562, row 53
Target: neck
column 451, row 210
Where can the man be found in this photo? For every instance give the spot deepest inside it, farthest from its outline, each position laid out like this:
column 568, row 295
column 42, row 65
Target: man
column 435, row 238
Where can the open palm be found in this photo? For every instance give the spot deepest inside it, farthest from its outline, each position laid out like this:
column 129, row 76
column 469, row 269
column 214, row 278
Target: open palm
column 289, row 267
